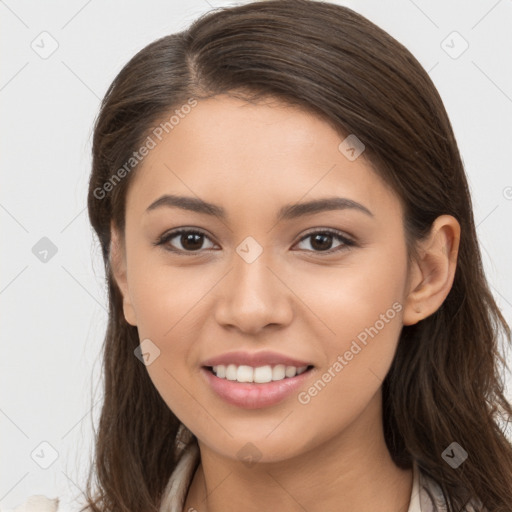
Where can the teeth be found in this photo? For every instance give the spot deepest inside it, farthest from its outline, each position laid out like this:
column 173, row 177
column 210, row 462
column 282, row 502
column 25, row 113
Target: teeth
column 262, row 374
column 278, row 372
column 244, row 374
column 231, row 372
column 220, row 371
column 259, row 375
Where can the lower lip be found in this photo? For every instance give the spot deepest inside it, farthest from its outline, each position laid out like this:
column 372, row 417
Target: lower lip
column 254, row 396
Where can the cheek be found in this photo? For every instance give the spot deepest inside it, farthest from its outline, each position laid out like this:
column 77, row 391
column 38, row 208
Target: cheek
column 364, row 312
column 167, row 301
column 163, row 295
column 361, row 304
column 366, row 289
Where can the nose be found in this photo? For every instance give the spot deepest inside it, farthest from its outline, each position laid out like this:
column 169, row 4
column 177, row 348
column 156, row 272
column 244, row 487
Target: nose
column 252, row 297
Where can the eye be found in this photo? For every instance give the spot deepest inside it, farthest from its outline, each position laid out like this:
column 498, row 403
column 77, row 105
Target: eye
column 322, row 240
column 190, row 240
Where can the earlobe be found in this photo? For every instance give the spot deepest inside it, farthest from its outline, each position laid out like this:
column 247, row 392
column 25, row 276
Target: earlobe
column 119, row 273
column 432, row 275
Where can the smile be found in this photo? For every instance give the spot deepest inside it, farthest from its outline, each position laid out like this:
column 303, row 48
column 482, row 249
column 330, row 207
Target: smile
column 258, row 375
column 257, row 387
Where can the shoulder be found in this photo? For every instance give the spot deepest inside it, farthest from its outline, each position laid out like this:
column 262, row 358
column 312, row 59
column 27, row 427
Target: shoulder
column 36, row 503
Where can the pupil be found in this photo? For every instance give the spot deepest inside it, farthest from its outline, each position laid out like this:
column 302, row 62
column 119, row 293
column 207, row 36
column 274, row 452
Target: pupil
column 190, row 238
column 323, row 237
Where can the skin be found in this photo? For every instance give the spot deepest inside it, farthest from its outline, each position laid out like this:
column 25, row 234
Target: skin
column 330, row 453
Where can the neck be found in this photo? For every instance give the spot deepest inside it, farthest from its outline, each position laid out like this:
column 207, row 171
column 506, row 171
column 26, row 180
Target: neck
column 351, row 471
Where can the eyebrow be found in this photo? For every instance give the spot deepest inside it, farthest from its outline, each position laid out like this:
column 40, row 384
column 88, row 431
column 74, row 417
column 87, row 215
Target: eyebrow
column 287, row 212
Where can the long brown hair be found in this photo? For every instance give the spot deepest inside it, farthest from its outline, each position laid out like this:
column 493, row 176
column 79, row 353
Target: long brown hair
column 444, row 384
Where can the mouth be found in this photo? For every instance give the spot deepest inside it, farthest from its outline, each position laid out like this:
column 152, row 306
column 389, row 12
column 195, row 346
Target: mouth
column 249, row 387
column 257, row 375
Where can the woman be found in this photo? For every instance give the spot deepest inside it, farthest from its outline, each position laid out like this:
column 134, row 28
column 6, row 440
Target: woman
column 298, row 312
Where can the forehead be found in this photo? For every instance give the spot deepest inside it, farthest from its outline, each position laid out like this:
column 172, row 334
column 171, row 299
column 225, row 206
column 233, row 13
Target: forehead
column 245, row 155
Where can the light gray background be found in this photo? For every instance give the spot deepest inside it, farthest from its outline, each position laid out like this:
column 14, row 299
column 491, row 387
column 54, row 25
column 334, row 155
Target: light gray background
column 54, row 312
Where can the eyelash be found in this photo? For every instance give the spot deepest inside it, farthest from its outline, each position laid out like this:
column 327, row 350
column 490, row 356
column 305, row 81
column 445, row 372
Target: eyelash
column 166, row 237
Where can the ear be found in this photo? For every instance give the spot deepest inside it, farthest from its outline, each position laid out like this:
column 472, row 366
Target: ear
column 119, row 273
column 431, row 276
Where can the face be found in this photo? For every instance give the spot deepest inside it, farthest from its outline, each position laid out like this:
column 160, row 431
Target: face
column 321, row 288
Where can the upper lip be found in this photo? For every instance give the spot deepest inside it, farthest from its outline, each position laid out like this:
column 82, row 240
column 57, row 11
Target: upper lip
column 254, row 359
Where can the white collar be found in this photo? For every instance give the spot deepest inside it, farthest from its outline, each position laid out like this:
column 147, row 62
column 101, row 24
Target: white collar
column 414, row 504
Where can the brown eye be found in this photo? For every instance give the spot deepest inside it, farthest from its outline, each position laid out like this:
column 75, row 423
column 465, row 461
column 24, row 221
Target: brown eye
column 192, row 241
column 189, row 240
column 321, row 241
